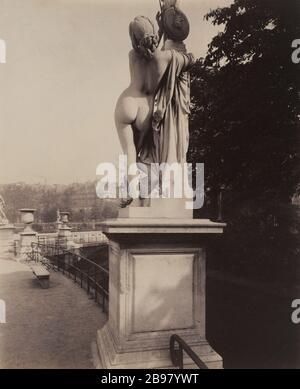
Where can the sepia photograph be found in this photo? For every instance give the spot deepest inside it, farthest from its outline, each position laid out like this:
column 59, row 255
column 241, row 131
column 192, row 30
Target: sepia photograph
column 149, row 187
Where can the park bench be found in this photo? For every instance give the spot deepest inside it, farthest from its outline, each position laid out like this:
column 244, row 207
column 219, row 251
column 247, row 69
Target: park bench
column 42, row 275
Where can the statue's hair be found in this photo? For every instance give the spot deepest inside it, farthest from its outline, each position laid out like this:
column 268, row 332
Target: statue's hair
column 143, row 36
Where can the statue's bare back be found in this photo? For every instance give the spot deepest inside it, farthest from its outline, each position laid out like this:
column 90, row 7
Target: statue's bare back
column 135, row 105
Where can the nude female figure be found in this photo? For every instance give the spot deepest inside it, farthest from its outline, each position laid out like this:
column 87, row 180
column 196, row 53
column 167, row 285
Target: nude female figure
column 134, row 109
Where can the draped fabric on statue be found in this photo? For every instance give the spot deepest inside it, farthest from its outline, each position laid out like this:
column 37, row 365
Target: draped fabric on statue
column 167, row 141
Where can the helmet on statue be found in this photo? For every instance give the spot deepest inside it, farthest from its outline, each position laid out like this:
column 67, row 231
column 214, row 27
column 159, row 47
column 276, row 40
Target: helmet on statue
column 175, row 24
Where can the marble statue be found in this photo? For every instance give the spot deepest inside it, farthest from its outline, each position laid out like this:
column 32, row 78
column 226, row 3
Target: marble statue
column 151, row 115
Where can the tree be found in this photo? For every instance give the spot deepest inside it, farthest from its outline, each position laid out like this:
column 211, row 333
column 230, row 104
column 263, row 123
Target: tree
column 244, row 122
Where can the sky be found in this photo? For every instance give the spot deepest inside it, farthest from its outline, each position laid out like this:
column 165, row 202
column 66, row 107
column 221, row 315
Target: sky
column 66, row 65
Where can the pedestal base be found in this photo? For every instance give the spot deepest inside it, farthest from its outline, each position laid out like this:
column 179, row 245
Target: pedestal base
column 7, row 239
column 148, row 358
column 156, row 289
column 26, row 238
column 158, row 208
column 65, row 236
column 65, row 233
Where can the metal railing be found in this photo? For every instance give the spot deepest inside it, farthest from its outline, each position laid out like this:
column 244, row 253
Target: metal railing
column 79, row 237
column 176, row 353
column 88, row 274
column 89, row 237
column 35, row 255
column 53, row 242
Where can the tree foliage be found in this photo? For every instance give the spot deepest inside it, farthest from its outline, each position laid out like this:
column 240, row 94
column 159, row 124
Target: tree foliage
column 246, row 101
column 79, row 199
column 245, row 116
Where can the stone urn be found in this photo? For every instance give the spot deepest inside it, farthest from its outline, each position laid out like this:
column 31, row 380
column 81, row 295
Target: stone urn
column 27, row 217
column 65, row 218
column 28, row 236
column 64, row 231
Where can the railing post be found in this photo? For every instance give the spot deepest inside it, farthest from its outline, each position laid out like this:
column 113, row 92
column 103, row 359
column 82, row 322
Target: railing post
column 64, row 263
column 95, row 283
column 88, row 280
column 177, row 354
column 220, row 204
column 75, row 268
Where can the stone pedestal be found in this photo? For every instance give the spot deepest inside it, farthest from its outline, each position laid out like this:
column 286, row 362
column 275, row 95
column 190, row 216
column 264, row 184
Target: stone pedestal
column 156, row 289
column 65, row 239
column 64, row 232
column 58, row 225
column 7, row 239
column 28, row 236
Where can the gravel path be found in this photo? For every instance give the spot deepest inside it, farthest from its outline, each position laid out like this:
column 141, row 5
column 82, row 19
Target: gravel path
column 45, row 328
